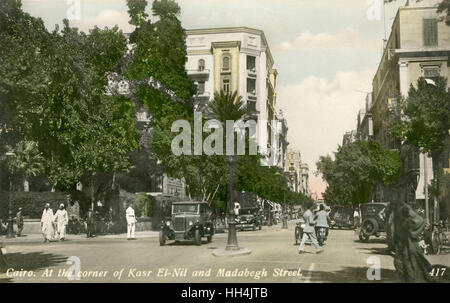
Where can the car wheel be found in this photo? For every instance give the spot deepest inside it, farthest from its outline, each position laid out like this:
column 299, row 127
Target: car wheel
column 369, row 227
column 162, row 238
column 198, row 238
column 260, row 227
column 435, row 243
column 209, row 238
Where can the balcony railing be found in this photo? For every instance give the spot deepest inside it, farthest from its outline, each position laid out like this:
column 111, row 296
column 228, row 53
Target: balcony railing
column 198, row 72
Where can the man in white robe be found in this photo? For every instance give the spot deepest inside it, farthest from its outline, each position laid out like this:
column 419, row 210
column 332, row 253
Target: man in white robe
column 61, row 220
column 47, row 224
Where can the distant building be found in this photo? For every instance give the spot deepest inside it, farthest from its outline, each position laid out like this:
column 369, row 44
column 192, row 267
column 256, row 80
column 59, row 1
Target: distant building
column 364, row 128
column 297, row 172
column 282, row 140
column 349, row 137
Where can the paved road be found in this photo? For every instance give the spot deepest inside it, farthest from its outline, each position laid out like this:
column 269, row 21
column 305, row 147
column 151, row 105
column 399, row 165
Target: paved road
column 274, row 258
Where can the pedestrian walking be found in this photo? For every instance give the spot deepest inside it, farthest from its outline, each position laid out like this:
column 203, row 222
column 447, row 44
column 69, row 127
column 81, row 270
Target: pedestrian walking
column 47, row 224
column 19, row 220
column 131, row 222
column 90, row 224
column 61, row 220
column 356, row 218
column 309, row 232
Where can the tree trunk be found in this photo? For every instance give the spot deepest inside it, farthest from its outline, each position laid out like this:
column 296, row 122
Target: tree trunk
column 436, row 157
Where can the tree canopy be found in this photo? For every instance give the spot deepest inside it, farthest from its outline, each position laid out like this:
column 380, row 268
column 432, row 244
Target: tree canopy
column 423, row 119
column 357, row 168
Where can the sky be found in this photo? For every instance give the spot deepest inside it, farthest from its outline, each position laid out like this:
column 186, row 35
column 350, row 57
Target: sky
column 326, row 53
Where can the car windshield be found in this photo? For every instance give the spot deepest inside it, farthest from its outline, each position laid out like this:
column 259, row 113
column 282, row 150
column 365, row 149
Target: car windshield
column 185, row 208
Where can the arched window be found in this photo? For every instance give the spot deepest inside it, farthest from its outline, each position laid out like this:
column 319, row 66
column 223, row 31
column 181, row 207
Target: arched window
column 201, row 64
column 226, row 63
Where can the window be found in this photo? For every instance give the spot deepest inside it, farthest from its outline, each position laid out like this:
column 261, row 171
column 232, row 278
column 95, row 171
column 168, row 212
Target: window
column 431, row 73
column 201, row 87
column 201, row 64
column 226, row 63
column 226, row 85
column 430, row 34
column 251, row 63
column 251, row 86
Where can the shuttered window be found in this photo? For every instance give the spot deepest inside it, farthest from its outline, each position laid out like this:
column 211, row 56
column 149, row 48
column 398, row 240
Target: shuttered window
column 430, row 34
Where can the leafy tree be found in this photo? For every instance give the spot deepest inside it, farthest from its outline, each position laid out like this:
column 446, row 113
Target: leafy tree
column 423, row 120
column 357, row 168
column 52, row 91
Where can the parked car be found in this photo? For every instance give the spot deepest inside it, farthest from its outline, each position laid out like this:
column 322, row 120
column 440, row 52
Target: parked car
column 249, row 221
column 342, row 217
column 373, row 218
column 189, row 221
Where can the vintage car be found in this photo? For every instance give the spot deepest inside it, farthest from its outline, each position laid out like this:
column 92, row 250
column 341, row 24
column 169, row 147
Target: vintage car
column 373, row 220
column 341, row 217
column 249, row 221
column 189, row 221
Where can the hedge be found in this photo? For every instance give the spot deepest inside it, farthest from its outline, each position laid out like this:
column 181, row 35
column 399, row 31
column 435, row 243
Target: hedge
column 32, row 203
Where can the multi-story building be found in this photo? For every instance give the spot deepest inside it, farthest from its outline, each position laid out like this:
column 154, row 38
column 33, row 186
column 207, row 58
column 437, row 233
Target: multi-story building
column 297, row 172
column 236, row 59
column 364, row 128
column 282, row 140
column 305, row 179
column 349, row 137
column 418, row 46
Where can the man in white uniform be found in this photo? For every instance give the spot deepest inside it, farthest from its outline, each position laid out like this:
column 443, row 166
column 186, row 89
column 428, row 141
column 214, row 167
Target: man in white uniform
column 47, row 223
column 61, row 220
column 131, row 222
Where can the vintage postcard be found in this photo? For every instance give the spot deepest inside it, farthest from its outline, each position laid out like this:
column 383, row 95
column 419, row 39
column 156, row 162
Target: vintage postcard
column 224, row 141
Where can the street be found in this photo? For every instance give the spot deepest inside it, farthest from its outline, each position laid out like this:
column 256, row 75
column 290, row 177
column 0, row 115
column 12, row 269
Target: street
column 274, row 258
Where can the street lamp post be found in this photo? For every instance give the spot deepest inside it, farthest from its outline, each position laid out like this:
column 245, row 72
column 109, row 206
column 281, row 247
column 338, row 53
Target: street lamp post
column 10, row 228
column 285, row 226
column 232, row 243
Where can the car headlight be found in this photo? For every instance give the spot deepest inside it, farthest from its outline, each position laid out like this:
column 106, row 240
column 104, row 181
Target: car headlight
column 168, row 223
column 190, row 223
column 302, row 225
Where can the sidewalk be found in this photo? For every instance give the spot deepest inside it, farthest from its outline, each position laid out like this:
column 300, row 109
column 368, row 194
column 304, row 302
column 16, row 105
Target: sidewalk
column 37, row 238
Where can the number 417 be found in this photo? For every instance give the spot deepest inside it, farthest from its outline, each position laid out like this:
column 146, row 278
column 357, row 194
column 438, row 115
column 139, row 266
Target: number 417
column 438, row 272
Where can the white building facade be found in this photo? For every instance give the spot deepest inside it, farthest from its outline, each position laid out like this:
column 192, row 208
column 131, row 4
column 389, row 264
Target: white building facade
column 236, row 59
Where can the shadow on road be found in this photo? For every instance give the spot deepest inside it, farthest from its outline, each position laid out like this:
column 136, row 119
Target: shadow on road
column 31, row 262
column 377, row 251
column 352, row 275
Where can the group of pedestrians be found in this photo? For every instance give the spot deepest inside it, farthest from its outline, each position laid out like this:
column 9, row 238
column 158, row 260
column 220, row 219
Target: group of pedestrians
column 53, row 226
column 312, row 223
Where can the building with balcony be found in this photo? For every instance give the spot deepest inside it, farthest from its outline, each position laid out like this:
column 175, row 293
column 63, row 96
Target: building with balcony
column 236, row 59
column 364, row 127
column 418, row 46
column 297, row 172
column 349, row 137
